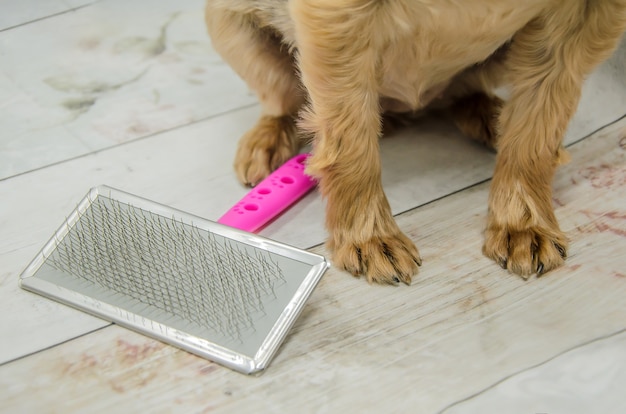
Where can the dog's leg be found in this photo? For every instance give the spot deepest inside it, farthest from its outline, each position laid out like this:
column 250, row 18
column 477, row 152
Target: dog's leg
column 338, row 62
column 258, row 56
column 476, row 116
column 548, row 61
column 472, row 102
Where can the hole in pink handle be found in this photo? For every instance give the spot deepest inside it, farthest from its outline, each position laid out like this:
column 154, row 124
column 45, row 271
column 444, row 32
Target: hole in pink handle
column 264, row 191
column 302, row 158
column 287, row 180
column 251, row 207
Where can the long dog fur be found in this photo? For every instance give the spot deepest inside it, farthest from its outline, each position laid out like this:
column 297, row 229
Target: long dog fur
column 338, row 65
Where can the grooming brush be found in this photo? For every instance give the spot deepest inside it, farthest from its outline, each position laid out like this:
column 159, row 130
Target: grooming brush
column 216, row 291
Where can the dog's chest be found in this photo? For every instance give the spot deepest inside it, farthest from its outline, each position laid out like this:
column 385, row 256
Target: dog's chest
column 417, row 69
column 423, row 47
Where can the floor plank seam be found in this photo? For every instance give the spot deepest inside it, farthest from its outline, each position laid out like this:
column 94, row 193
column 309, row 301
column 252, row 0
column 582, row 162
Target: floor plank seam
column 135, row 140
column 595, row 131
column 568, row 146
column 514, row 374
column 50, row 16
column 2, row 364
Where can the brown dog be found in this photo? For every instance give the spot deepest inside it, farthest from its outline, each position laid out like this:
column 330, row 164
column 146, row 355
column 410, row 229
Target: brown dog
column 339, row 64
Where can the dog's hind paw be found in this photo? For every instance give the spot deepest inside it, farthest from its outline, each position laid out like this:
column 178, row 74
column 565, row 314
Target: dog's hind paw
column 383, row 260
column 527, row 252
column 264, row 148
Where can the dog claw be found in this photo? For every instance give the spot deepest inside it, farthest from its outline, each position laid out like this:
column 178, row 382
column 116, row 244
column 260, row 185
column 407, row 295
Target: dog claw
column 503, row 263
column 540, row 269
column 561, row 250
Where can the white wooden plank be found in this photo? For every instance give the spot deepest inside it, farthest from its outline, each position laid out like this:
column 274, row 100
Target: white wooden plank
column 108, row 73
column 588, row 379
column 463, row 326
column 15, row 13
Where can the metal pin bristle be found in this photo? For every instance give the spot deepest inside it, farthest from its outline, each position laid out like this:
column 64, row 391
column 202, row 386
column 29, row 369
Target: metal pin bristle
column 191, row 273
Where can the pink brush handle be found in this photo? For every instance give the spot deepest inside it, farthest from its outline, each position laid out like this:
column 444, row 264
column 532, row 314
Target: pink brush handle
column 271, row 196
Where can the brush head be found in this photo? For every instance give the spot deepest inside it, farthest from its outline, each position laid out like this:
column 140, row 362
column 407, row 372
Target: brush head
column 218, row 292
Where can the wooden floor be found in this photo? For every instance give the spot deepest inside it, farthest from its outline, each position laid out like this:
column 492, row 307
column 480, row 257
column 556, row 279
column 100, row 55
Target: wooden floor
column 129, row 93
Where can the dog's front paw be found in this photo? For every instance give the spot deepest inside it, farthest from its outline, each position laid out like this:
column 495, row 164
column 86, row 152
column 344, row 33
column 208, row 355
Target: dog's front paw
column 525, row 252
column 264, row 148
column 383, row 260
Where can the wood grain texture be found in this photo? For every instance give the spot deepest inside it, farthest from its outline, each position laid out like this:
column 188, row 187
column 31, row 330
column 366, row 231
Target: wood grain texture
column 108, row 73
column 129, row 93
column 464, row 325
column 15, row 14
column 586, row 379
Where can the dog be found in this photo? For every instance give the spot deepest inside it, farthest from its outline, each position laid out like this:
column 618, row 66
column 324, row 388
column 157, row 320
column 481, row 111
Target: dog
column 330, row 69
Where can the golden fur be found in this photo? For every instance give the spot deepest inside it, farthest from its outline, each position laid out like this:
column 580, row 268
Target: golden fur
column 339, row 64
